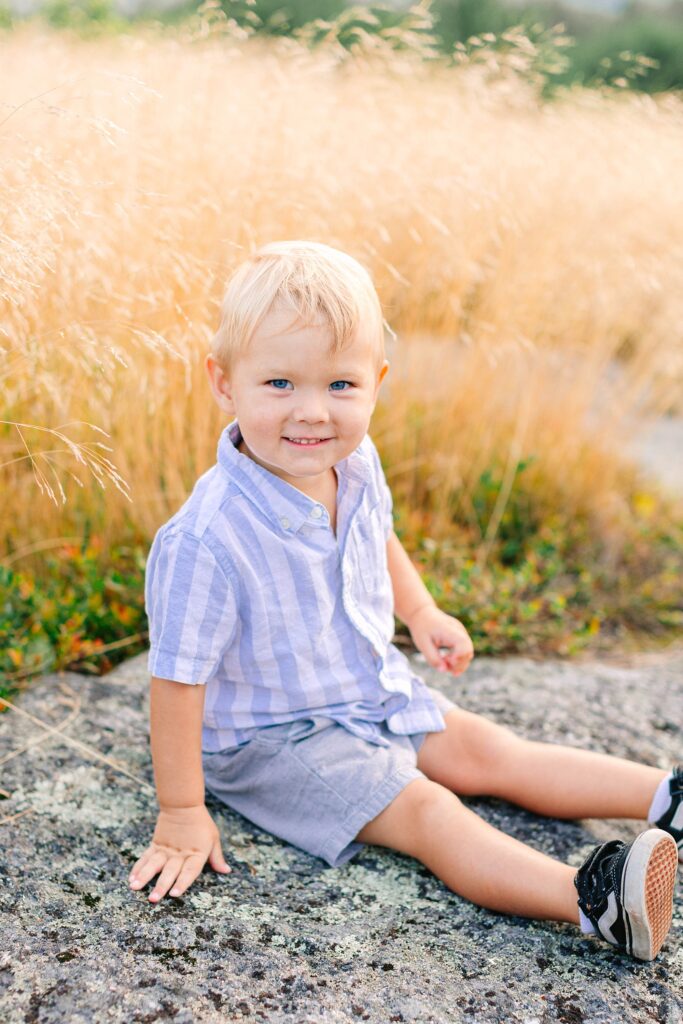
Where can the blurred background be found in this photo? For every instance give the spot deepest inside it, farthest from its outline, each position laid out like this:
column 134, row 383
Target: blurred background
column 605, row 33
column 510, row 175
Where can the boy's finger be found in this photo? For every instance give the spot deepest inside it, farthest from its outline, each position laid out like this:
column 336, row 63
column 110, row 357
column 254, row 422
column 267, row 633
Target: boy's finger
column 138, row 866
column 152, row 866
column 459, row 665
column 456, row 667
column 464, row 654
column 142, row 862
column 461, row 646
column 191, row 868
column 166, row 879
column 217, row 860
column 432, row 653
column 454, row 659
column 445, row 658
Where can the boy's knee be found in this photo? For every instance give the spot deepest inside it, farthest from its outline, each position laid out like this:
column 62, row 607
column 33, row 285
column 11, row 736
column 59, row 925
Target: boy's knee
column 429, row 803
column 426, row 797
column 471, row 755
column 416, row 809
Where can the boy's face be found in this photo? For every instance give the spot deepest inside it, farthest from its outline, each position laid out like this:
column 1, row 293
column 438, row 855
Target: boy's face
column 287, row 387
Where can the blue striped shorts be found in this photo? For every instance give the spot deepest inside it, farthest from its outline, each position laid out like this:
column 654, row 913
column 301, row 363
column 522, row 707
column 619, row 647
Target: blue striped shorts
column 313, row 783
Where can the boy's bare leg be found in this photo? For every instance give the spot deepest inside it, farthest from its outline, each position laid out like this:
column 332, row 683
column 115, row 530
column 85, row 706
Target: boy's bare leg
column 474, row 859
column 476, row 757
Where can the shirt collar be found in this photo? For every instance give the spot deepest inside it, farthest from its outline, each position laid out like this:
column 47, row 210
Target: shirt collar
column 280, row 501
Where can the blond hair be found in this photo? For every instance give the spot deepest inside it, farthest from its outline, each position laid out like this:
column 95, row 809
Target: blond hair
column 319, row 283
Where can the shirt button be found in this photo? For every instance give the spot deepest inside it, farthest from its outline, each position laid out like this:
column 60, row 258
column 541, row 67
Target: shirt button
column 285, row 522
column 316, row 512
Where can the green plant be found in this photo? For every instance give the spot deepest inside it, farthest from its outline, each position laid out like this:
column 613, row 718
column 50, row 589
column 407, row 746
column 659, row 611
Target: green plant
column 558, row 595
column 519, row 520
column 280, row 17
column 85, row 612
column 367, row 29
column 646, row 52
column 531, row 54
column 459, row 20
column 562, row 595
column 87, row 17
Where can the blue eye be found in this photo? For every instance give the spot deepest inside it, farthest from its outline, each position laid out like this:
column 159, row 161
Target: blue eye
column 278, row 380
column 341, row 382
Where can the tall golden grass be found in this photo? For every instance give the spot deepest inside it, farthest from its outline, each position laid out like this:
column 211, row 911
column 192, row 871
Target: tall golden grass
column 519, row 249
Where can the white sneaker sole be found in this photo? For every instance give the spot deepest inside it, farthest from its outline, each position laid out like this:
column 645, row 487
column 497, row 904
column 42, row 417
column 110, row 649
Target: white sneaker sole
column 647, row 890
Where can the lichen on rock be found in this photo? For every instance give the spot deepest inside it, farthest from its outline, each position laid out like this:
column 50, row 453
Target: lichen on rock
column 284, row 938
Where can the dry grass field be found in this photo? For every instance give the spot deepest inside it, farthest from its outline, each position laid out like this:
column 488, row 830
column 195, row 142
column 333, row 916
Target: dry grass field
column 522, row 251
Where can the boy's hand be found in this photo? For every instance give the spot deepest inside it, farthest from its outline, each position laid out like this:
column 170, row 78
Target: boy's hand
column 184, row 838
column 431, row 629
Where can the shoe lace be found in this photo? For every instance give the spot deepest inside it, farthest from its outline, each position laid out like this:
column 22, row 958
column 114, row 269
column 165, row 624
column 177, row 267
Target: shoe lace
column 597, row 874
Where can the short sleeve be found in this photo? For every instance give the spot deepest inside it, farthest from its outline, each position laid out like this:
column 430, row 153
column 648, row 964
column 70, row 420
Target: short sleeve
column 386, row 499
column 191, row 608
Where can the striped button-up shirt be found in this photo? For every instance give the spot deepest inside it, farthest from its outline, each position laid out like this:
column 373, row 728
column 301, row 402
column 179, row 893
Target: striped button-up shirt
column 249, row 591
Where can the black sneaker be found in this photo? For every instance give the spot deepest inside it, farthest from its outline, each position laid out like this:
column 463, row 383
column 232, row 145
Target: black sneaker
column 626, row 891
column 672, row 819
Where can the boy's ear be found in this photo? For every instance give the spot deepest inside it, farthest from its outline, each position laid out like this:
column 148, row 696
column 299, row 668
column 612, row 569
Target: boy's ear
column 382, row 373
column 220, row 385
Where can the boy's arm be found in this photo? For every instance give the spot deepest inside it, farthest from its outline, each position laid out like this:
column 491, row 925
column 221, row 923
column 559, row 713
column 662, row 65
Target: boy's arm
column 185, row 835
column 410, row 593
column 441, row 638
column 176, row 712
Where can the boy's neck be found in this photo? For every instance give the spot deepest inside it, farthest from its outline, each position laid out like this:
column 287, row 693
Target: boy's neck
column 324, row 491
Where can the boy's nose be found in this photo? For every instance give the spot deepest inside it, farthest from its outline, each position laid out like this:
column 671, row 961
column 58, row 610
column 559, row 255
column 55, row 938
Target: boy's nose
column 312, row 410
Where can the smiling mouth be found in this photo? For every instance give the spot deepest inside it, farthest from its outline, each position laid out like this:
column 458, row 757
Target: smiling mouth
column 307, row 442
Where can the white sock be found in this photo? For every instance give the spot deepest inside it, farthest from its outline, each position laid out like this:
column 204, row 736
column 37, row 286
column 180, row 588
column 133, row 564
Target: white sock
column 661, row 799
column 586, row 927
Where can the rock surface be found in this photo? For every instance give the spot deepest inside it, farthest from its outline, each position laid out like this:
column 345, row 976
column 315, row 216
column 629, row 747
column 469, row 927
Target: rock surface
column 284, row 938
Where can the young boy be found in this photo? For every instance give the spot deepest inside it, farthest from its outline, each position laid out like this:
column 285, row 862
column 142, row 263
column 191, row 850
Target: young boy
column 272, row 593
